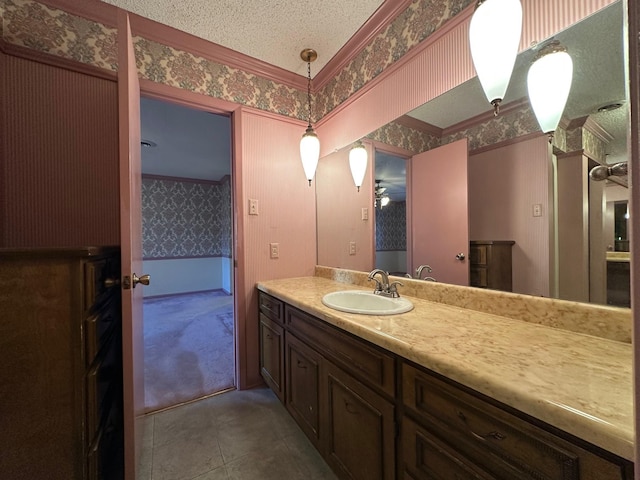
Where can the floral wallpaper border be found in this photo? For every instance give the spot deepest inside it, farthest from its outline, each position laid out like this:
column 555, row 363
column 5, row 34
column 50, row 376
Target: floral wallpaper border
column 33, row 25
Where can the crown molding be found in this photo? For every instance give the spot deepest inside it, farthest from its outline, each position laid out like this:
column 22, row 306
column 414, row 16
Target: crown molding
column 381, row 18
column 486, row 116
column 106, row 14
column 419, row 125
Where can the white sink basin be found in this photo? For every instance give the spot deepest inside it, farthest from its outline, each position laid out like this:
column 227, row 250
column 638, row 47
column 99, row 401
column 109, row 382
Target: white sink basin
column 366, row 303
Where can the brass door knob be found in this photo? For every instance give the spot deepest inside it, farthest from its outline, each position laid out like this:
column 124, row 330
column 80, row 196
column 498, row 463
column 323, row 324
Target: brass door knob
column 460, row 256
column 143, row 279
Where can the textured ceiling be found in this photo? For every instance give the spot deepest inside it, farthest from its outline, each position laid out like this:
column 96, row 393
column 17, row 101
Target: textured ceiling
column 274, row 31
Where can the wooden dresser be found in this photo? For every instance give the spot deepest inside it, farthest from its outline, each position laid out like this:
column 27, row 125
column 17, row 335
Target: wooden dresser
column 61, row 355
column 490, row 264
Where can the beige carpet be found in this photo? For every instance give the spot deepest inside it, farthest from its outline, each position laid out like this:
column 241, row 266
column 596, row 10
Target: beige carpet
column 188, row 347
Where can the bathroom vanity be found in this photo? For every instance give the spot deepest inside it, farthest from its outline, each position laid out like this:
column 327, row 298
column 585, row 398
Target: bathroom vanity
column 445, row 392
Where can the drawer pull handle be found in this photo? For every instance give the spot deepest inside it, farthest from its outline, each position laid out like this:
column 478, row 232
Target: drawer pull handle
column 301, row 364
column 493, row 434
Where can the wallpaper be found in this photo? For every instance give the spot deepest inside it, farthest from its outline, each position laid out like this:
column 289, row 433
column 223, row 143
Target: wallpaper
column 185, row 218
column 391, row 227
column 405, row 137
column 31, row 24
column 415, row 24
column 513, row 124
column 36, row 26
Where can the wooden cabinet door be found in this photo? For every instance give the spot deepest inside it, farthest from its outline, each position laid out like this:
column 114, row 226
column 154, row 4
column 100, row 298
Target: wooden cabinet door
column 426, row 457
column 271, row 355
column 303, row 367
column 359, row 435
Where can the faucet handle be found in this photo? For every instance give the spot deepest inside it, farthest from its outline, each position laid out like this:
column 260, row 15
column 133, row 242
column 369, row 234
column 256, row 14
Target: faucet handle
column 393, row 289
column 378, row 284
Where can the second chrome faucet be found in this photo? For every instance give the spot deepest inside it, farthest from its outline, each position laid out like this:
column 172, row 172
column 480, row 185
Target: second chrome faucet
column 383, row 287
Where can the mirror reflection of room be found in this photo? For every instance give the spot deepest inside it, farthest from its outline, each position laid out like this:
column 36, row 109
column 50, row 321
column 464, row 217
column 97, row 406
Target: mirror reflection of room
column 531, row 194
column 390, row 208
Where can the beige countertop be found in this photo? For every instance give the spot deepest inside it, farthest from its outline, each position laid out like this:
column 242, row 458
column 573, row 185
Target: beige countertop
column 579, row 383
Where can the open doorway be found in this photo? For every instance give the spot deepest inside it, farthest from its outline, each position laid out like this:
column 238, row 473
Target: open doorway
column 187, row 250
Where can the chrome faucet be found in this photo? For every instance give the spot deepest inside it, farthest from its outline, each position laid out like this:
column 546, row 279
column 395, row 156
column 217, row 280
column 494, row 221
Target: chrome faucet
column 420, row 269
column 383, row 287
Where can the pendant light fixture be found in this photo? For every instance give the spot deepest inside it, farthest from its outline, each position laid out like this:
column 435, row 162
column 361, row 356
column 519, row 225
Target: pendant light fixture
column 549, row 82
column 309, row 144
column 494, row 37
column 358, row 163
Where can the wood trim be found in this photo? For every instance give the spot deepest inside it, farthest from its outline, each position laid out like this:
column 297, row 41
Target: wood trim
column 169, row 36
column 160, row 91
column 505, row 143
column 633, row 15
column 95, row 10
column 169, row 295
column 186, row 257
column 3, row 155
column 408, row 57
column 240, row 297
column 56, row 61
column 392, row 149
column 485, row 117
column 381, row 18
column 420, row 125
column 150, row 176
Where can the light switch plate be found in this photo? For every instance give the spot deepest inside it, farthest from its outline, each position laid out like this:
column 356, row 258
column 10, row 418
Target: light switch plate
column 537, row 209
column 253, row 206
column 274, row 249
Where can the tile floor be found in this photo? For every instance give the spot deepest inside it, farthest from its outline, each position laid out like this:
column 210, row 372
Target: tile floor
column 244, row 435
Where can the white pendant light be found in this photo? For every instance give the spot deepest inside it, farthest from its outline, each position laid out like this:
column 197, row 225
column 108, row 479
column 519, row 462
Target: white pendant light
column 310, row 143
column 358, row 163
column 549, row 82
column 494, row 37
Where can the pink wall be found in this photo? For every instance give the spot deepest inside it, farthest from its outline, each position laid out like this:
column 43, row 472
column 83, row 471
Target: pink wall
column 504, row 183
column 273, row 175
column 339, row 213
column 441, row 62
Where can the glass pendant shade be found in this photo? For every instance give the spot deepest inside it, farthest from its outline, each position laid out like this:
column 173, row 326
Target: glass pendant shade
column 358, row 163
column 549, row 83
column 494, row 37
column 309, row 153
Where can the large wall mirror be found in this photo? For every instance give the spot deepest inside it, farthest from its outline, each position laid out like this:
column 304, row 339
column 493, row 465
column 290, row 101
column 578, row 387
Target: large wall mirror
column 565, row 234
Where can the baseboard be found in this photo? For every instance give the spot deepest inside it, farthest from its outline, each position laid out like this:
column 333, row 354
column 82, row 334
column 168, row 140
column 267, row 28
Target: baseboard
column 167, row 295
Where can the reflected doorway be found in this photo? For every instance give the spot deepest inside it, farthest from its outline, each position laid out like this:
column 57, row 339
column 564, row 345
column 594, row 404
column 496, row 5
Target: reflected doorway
column 390, row 206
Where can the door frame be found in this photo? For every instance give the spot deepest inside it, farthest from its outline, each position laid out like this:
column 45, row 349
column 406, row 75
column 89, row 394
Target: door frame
column 197, row 101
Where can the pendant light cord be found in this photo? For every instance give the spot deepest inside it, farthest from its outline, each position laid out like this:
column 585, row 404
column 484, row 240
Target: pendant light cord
column 309, row 88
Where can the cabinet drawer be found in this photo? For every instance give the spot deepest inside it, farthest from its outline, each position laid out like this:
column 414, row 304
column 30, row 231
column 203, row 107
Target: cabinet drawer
column 426, row 457
column 100, row 278
column 365, row 362
column 272, row 355
column 497, row 439
column 99, row 326
column 478, row 277
column 478, row 255
column 271, row 307
column 303, row 367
